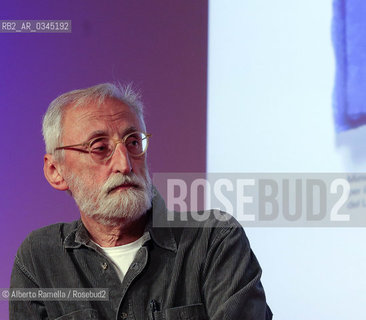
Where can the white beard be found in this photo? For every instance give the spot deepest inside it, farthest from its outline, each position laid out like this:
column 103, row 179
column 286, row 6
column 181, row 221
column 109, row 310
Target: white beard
column 109, row 208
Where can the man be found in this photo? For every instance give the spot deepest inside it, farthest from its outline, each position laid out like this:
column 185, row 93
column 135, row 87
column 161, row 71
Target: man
column 96, row 145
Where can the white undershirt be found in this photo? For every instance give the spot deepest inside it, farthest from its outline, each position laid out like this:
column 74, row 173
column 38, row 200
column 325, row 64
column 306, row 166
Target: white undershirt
column 122, row 256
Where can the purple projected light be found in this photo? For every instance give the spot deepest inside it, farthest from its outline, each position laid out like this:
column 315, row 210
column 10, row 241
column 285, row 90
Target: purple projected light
column 159, row 45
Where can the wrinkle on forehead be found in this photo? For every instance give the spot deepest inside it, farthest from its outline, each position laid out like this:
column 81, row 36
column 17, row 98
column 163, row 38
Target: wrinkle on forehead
column 102, row 115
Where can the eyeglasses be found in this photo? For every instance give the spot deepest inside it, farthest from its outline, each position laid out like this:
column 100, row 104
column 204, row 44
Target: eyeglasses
column 101, row 148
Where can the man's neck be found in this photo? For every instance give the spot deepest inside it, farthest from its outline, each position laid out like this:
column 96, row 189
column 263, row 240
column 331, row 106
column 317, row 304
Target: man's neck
column 116, row 235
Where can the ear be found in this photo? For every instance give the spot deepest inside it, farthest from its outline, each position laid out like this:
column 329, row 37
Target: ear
column 52, row 173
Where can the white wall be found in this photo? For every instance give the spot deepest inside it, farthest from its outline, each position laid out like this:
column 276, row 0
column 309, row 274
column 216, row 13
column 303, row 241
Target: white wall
column 271, row 75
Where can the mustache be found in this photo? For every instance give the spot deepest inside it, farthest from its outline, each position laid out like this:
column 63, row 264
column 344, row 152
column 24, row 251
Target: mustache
column 119, row 180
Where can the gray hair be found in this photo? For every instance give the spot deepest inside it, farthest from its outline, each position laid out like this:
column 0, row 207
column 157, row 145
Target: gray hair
column 52, row 127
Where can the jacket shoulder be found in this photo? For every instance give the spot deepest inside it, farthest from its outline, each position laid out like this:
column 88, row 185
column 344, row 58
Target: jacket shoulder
column 207, row 227
column 44, row 239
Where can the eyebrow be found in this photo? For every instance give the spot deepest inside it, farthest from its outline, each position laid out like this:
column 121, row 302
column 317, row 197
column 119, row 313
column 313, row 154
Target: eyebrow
column 99, row 133
column 129, row 130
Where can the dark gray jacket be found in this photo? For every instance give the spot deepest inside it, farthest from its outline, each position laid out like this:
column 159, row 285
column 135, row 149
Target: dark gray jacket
column 205, row 272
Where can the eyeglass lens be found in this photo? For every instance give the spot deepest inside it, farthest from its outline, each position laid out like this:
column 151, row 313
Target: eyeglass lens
column 101, row 148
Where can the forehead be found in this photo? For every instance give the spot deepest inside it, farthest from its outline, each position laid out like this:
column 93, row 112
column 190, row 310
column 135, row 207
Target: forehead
column 111, row 117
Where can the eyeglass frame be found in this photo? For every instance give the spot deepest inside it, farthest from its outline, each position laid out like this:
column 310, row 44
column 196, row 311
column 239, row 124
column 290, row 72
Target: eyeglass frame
column 87, row 144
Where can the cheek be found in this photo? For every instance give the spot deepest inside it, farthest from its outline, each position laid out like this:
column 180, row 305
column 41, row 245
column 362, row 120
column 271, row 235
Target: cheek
column 93, row 179
column 139, row 165
column 87, row 175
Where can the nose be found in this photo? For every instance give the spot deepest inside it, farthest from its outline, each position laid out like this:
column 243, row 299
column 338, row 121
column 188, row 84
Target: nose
column 120, row 160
